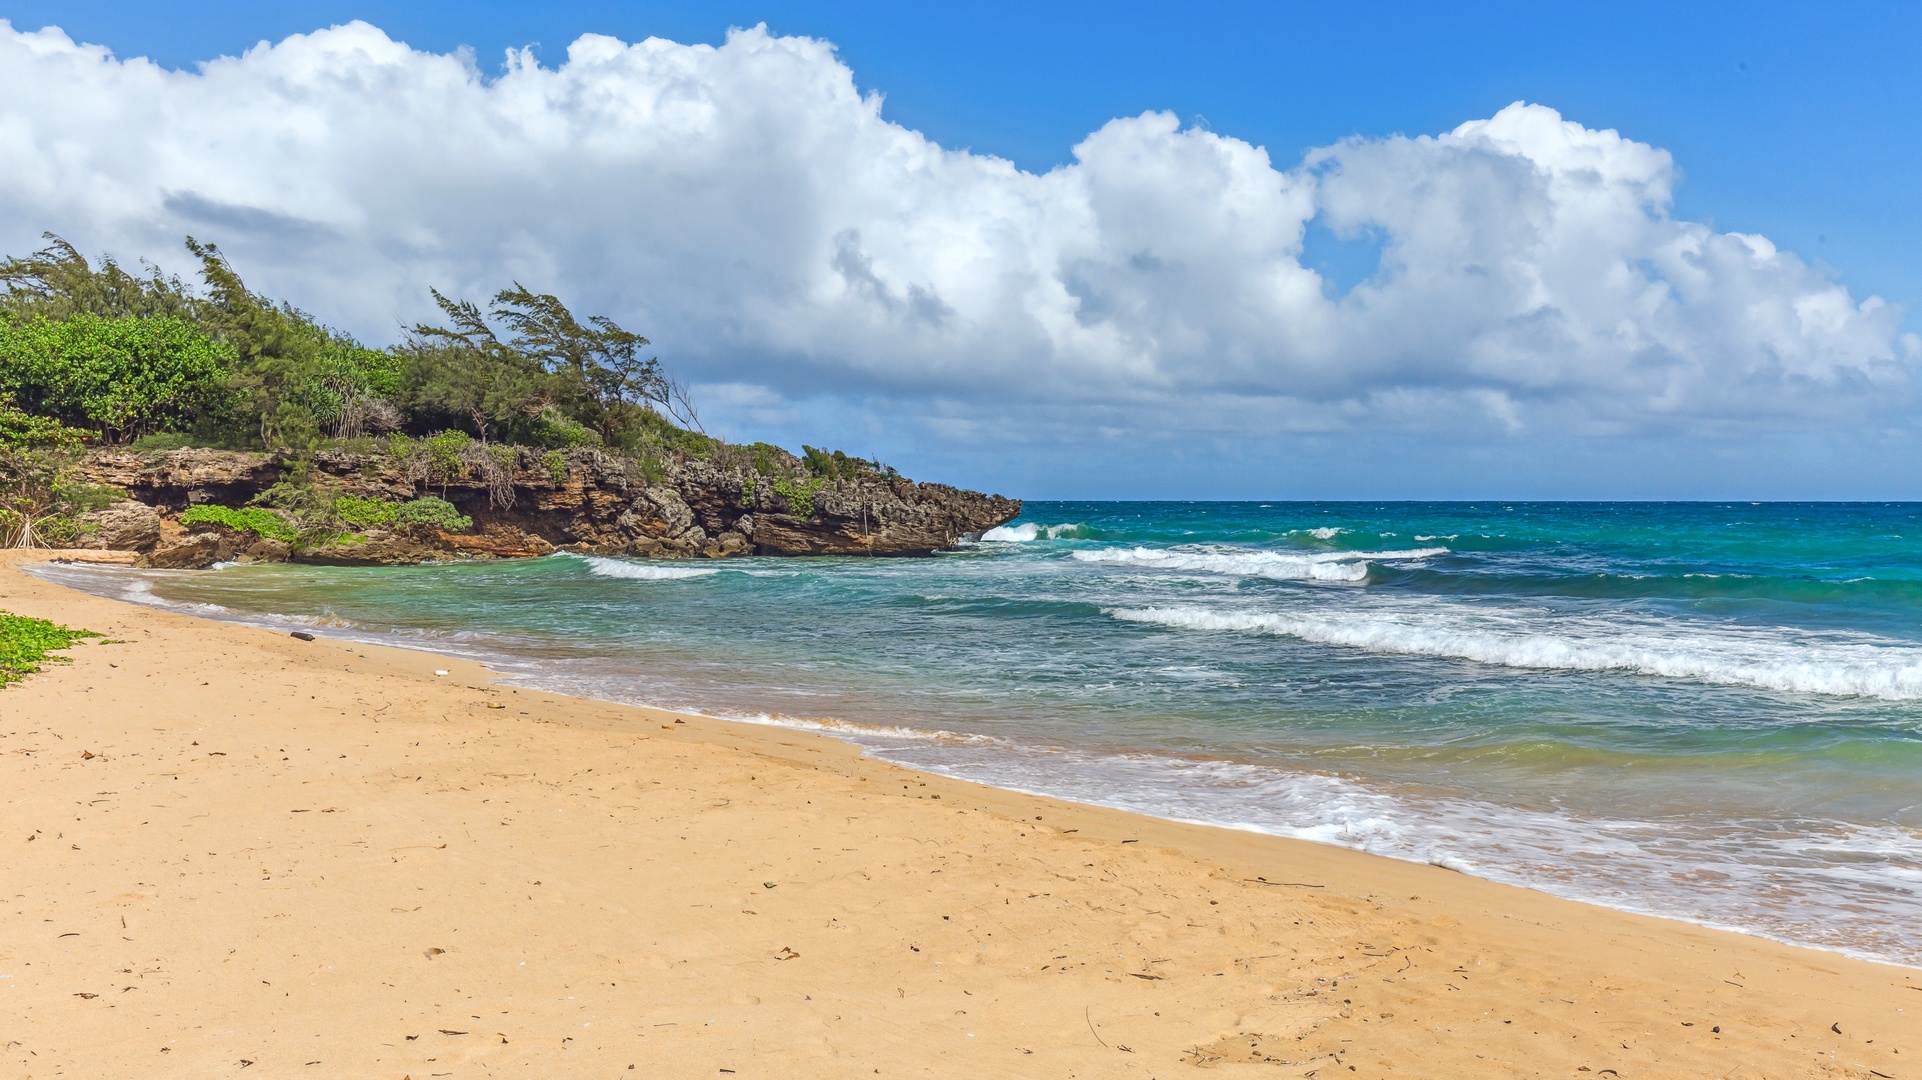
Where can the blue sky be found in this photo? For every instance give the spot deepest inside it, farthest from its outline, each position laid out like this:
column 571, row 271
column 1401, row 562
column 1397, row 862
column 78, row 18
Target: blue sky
column 1793, row 122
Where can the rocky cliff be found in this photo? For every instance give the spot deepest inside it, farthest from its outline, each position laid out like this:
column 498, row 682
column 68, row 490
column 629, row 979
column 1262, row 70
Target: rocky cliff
column 524, row 502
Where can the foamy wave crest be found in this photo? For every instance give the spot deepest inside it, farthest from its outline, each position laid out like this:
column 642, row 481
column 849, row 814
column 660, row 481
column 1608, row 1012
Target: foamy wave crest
column 1280, row 565
column 1028, row 530
column 634, row 571
column 1768, row 661
column 855, row 732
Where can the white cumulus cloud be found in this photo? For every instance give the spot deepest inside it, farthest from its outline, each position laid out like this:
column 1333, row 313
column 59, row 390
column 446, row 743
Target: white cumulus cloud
column 782, row 240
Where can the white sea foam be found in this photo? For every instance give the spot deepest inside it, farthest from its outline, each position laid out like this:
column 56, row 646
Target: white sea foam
column 1280, row 565
column 124, row 583
column 1028, row 530
column 637, row 571
column 1837, row 665
column 854, row 731
column 1326, row 532
column 1856, row 886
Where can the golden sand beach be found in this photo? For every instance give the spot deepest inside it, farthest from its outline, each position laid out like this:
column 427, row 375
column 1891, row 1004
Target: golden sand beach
column 229, row 852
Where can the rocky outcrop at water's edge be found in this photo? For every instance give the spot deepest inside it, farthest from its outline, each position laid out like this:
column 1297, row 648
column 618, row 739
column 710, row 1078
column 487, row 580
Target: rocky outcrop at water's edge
column 525, row 502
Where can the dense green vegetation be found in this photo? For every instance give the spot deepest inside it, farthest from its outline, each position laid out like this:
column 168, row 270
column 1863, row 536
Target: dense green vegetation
column 27, row 643
column 251, row 519
column 427, row 512
column 103, row 356
column 118, row 357
column 114, row 378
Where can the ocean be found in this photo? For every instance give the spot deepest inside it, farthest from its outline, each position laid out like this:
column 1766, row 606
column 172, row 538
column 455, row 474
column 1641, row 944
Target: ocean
column 1710, row 712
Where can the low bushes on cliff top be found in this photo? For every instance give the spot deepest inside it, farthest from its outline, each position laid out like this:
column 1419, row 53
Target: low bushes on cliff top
column 251, row 519
column 380, row 514
column 432, row 513
column 318, row 526
column 26, row 643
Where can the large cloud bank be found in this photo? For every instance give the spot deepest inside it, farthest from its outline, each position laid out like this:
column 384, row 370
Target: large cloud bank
column 781, row 239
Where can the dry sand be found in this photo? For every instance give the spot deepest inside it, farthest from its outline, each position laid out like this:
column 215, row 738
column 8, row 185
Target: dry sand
column 229, row 852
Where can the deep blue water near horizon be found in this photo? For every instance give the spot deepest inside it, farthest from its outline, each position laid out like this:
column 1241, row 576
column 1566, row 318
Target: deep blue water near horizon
column 1711, row 711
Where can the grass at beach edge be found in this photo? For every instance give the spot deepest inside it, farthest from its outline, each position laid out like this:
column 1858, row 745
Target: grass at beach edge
column 26, row 643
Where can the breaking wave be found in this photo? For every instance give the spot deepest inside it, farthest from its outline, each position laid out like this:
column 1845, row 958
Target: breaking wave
column 1028, row 530
column 1280, row 565
column 636, row 571
column 1851, row 666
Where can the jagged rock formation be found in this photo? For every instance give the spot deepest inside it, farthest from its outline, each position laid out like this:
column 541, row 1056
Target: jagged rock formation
column 525, row 502
column 125, row 526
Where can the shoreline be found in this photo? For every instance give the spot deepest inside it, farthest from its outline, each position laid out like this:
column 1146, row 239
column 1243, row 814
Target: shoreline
column 1187, row 944
column 885, row 742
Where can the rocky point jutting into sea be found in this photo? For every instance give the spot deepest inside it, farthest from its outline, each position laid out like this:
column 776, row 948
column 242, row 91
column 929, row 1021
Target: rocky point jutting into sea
column 587, row 501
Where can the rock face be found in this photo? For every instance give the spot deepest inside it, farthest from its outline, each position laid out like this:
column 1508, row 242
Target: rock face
column 125, row 526
column 194, row 551
column 584, row 500
column 177, row 479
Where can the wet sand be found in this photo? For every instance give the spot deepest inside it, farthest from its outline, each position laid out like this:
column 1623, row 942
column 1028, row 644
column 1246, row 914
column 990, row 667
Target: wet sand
column 231, row 852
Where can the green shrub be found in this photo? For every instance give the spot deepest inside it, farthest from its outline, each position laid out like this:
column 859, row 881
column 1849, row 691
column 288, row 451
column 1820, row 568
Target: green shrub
column 253, row 519
column 431, row 513
column 82, row 497
column 446, row 453
column 836, row 465
column 117, row 377
column 799, row 496
column 25, row 431
column 767, row 458
column 25, row 644
column 555, row 463
column 559, row 432
column 364, row 513
column 651, row 468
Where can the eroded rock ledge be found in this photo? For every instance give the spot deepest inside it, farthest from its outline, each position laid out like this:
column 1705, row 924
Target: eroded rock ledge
column 586, row 501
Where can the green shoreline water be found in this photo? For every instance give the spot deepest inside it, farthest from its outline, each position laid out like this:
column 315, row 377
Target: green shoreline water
column 1711, row 712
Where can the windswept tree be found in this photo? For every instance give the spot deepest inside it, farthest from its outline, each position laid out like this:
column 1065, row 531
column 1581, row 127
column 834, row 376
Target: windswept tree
column 542, row 373
column 120, row 355
column 599, row 366
column 463, row 373
column 57, row 282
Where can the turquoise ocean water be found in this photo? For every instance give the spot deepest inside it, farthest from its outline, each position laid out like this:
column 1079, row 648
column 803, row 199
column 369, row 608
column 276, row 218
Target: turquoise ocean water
column 1706, row 711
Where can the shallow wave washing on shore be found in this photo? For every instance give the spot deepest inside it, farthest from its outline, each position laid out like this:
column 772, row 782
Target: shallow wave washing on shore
column 135, row 587
column 1278, row 565
column 1724, row 873
column 1711, row 872
column 1766, row 660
